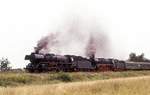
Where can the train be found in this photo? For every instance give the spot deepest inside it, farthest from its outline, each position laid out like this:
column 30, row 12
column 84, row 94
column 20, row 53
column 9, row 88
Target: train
column 71, row 63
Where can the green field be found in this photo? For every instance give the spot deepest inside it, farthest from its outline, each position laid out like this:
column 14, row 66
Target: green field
column 22, row 79
column 75, row 83
column 119, row 86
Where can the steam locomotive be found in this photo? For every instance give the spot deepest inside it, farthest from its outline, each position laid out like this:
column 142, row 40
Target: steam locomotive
column 70, row 63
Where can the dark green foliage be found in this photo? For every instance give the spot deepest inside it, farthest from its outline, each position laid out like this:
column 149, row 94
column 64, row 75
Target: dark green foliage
column 137, row 58
column 61, row 76
column 64, row 77
column 4, row 64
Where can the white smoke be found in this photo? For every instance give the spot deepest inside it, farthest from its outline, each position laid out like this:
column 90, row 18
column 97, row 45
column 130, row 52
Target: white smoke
column 75, row 38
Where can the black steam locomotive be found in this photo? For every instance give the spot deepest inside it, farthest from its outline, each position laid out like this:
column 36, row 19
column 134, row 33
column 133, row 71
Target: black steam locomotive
column 71, row 63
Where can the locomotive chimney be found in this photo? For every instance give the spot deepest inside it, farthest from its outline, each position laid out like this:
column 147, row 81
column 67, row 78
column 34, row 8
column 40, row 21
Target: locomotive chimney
column 92, row 56
column 36, row 50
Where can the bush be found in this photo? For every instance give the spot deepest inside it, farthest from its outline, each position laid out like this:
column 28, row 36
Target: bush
column 63, row 77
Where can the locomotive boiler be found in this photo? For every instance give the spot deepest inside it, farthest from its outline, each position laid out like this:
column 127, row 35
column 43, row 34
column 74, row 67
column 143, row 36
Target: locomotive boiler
column 70, row 63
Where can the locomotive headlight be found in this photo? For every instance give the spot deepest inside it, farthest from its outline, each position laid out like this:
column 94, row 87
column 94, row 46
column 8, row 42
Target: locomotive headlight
column 27, row 57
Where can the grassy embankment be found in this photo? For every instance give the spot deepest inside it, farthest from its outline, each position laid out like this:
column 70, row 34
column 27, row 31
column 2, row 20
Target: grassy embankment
column 120, row 86
column 21, row 79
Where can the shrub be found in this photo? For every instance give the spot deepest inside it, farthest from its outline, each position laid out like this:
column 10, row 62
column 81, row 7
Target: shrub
column 64, row 77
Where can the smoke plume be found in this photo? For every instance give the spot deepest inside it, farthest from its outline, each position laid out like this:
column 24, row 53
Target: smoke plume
column 76, row 37
column 97, row 45
column 44, row 44
column 91, row 47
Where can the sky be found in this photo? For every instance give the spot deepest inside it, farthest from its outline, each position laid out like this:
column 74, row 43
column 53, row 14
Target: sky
column 24, row 22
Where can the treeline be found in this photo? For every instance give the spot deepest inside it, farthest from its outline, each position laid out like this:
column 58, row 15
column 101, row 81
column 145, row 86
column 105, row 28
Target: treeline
column 137, row 58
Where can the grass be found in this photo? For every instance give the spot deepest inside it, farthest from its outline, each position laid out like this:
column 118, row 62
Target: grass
column 120, row 86
column 21, row 79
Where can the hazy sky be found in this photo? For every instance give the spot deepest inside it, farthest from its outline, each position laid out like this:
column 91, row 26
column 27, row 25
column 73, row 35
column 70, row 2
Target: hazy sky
column 24, row 22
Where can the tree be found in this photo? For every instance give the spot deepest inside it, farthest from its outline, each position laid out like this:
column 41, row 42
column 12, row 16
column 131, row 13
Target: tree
column 137, row 58
column 4, row 64
column 132, row 57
